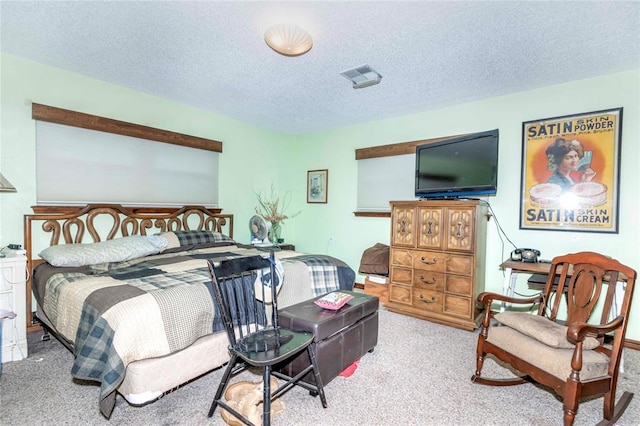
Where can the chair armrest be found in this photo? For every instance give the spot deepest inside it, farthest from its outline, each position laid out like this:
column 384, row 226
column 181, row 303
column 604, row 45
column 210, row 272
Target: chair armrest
column 486, row 298
column 578, row 331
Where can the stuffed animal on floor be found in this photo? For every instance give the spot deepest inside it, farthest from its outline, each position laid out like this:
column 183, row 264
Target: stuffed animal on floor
column 246, row 398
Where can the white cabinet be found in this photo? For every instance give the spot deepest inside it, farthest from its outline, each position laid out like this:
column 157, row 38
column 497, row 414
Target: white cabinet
column 13, row 270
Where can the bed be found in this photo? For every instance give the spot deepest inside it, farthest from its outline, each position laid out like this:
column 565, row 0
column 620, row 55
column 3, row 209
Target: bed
column 128, row 291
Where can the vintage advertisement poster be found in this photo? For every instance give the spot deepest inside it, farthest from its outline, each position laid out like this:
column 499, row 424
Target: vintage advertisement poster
column 570, row 172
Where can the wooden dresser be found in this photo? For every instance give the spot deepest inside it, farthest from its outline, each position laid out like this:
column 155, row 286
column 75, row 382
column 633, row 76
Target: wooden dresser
column 437, row 260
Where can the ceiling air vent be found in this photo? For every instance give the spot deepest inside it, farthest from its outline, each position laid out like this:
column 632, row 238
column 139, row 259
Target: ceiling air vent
column 362, row 76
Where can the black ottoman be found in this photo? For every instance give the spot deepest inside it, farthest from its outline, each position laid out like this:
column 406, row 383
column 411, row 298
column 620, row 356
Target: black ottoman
column 341, row 337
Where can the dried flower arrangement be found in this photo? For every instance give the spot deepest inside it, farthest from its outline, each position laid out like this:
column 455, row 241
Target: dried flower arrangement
column 269, row 207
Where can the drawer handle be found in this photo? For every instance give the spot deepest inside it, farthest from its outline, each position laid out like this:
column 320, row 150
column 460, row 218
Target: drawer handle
column 433, row 261
column 433, row 299
column 431, row 281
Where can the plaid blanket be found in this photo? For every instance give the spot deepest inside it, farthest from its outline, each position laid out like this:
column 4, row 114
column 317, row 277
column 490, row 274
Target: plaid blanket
column 123, row 312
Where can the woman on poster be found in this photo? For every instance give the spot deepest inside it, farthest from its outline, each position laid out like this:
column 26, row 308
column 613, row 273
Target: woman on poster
column 563, row 158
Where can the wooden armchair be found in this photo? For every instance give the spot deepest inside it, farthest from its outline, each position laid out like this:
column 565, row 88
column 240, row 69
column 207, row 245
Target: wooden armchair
column 573, row 357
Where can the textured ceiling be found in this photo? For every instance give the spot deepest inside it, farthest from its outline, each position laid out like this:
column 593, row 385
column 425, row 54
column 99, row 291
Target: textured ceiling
column 211, row 55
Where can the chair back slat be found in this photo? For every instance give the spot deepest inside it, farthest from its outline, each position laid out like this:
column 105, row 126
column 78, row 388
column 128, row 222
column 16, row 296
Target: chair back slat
column 583, row 292
column 556, row 283
column 239, row 300
column 610, row 302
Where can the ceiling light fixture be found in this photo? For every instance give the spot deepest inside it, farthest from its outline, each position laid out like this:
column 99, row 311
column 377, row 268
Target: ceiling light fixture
column 362, row 76
column 288, row 40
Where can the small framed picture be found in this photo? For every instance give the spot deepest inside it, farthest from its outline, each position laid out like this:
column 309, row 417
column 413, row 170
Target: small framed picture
column 317, row 186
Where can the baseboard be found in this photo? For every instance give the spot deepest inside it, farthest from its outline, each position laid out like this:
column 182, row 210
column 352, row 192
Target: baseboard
column 632, row 344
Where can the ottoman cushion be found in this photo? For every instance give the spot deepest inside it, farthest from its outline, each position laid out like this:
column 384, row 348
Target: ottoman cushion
column 307, row 316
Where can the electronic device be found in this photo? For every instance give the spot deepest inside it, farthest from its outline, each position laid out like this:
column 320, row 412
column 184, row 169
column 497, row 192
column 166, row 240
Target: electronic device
column 259, row 229
column 525, row 255
column 459, row 167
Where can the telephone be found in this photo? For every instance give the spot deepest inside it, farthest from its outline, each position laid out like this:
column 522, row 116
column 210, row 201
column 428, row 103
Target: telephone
column 525, row 255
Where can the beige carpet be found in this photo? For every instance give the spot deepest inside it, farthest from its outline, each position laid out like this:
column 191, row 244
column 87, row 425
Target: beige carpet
column 419, row 374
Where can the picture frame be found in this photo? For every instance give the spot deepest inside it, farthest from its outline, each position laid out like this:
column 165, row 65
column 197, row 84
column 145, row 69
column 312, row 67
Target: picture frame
column 317, row 186
column 571, row 172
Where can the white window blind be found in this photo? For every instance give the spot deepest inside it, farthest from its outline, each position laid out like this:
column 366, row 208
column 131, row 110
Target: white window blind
column 384, row 179
column 78, row 166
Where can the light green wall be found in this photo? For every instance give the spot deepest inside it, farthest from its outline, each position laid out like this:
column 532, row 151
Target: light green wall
column 253, row 158
column 334, row 150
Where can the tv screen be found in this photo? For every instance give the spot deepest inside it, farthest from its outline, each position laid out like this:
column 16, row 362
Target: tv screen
column 460, row 167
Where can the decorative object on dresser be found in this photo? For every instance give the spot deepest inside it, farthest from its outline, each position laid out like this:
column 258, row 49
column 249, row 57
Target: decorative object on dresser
column 437, row 260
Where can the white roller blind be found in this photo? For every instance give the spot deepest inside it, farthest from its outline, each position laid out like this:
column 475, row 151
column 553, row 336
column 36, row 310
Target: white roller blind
column 384, row 179
column 77, row 166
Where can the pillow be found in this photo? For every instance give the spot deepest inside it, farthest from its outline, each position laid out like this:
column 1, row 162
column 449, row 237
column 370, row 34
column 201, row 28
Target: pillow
column 116, row 250
column 543, row 330
column 334, row 300
column 191, row 238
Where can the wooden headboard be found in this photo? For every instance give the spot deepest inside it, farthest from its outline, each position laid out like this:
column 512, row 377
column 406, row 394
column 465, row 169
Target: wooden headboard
column 99, row 222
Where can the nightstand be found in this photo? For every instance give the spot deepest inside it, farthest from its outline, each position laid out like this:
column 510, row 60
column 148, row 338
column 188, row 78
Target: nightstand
column 13, row 275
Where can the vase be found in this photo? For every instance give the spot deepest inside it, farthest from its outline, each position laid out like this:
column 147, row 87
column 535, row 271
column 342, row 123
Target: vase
column 275, row 231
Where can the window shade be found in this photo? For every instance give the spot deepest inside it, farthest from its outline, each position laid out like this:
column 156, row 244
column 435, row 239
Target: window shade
column 78, row 166
column 384, row 179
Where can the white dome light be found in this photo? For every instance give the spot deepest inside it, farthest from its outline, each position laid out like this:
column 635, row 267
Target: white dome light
column 288, row 40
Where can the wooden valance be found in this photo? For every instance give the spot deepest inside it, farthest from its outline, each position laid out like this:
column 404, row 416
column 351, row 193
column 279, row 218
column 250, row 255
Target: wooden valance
column 94, row 122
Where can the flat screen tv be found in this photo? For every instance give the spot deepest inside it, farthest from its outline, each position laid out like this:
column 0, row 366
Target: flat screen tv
column 459, row 167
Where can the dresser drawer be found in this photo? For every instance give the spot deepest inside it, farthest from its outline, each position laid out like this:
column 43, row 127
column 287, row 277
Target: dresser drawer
column 458, row 306
column 461, row 265
column 459, row 285
column 401, row 275
column 428, row 280
column 430, row 260
column 427, row 300
column 400, row 294
column 401, row 257
column 443, row 262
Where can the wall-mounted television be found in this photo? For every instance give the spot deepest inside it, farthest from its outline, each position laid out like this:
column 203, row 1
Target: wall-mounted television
column 460, row 167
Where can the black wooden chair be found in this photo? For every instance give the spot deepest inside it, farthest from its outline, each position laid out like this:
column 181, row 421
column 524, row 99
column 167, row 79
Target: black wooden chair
column 565, row 349
column 255, row 339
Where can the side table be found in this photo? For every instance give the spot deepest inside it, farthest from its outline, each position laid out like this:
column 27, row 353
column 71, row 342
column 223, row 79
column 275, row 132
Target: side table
column 13, row 276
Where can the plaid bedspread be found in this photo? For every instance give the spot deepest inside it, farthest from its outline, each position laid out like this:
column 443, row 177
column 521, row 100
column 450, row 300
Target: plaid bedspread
column 123, row 312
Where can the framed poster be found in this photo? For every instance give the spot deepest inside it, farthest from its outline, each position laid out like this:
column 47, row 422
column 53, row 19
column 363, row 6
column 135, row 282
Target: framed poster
column 571, row 172
column 317, row 186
